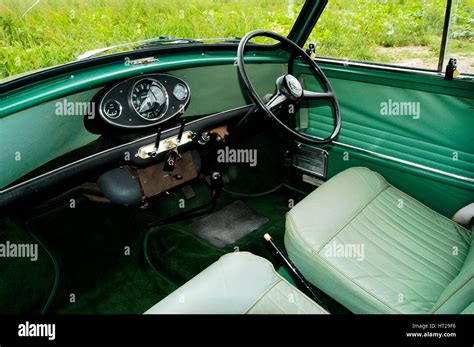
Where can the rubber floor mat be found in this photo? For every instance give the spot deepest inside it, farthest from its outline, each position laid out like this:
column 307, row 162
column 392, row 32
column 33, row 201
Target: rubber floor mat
column 228, row 225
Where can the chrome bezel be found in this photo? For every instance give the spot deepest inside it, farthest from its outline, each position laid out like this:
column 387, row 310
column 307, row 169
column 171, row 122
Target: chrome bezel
column 186, row 90
column 105, row 112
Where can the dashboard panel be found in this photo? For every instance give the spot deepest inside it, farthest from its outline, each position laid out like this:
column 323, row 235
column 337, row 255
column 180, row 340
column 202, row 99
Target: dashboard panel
column 214, row 89
column 143, row 101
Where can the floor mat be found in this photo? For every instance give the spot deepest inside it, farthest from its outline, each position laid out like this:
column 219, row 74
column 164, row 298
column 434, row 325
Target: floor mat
column 180, row 254
column 228, row 225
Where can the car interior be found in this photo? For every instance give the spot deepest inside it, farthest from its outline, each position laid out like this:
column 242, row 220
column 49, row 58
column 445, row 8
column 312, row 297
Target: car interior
column 236, row 178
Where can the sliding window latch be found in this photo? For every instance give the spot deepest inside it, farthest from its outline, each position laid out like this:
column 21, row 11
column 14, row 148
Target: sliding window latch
column 311, row 51
column 451, row 70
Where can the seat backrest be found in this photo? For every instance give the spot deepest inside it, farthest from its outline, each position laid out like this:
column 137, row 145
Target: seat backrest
column 459, row 294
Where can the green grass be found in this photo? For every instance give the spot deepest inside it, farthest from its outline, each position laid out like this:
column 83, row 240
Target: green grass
column 57, row 31
column 357, row 29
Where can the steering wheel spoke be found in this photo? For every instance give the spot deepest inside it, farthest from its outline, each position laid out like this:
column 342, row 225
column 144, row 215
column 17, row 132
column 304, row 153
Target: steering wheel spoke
column 308, row 94
column 276, row 101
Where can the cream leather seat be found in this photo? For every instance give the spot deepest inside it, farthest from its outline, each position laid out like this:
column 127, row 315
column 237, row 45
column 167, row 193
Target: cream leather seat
column 375, row 249
column 237, row 283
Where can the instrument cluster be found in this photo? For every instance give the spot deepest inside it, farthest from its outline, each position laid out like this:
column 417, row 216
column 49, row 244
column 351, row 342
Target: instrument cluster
column 144, row 101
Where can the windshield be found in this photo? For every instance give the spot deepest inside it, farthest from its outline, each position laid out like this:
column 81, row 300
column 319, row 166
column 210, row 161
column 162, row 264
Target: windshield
column 37, row 34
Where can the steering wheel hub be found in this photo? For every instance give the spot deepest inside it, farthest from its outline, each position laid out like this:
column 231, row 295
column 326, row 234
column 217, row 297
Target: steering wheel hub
column 293, row 86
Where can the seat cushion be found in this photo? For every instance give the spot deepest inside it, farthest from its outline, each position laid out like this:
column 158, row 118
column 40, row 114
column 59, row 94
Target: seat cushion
column 373, row 248
column 458, row 296
column 237, row 283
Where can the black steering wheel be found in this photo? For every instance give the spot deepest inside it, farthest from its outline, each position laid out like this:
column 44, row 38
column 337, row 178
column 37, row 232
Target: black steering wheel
column 289, row 89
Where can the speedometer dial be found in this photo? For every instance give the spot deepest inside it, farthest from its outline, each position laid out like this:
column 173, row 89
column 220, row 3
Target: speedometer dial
column 149, row 99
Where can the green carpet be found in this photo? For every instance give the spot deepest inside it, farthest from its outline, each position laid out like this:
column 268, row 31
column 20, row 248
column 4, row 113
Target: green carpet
column 99, row 250
column 25, row 284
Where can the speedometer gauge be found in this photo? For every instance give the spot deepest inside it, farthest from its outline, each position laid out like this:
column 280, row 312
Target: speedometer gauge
column 149, row 99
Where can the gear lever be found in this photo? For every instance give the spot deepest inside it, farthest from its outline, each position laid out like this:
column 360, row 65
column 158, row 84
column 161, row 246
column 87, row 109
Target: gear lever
column 216, row 183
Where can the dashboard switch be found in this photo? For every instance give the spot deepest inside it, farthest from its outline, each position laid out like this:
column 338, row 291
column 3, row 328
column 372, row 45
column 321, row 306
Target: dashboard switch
column 154, row 152
column 170, row 161
column 181, row 130
column 164, row 145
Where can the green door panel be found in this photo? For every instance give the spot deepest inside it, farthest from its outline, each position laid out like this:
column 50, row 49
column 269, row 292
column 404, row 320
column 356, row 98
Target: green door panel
column 434, row 139
column 437, row 133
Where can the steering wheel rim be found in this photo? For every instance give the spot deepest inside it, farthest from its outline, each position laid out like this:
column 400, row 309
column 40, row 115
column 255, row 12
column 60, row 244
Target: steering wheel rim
column 317, row 73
